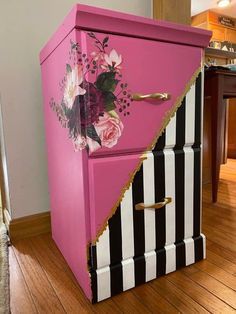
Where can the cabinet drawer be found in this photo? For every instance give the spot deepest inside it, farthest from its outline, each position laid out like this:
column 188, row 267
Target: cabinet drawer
column 145, row 67
column 105, row 117
column 131, row 232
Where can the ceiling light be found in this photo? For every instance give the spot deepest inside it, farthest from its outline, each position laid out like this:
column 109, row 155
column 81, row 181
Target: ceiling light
column 223, row 3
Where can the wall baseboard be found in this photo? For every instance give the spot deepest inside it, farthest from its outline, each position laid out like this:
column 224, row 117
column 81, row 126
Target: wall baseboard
column 28, row 226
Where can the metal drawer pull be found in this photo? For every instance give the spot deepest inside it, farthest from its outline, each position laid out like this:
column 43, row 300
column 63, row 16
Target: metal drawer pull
column 161, row 96
column 141, row 206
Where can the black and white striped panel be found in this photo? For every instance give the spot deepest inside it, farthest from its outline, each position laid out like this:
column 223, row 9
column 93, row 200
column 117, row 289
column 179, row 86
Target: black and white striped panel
column 156, row 263
column 134, row 241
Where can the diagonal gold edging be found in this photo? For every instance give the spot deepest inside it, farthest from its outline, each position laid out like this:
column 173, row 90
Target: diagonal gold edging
column 169, row 114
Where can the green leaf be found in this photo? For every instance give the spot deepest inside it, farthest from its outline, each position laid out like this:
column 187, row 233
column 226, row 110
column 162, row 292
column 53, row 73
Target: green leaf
column 115, row 84
column 109, row 99
column 68, row 68
column 92, row 133
column 113, row 114
column 106, row 81
column 110, row 106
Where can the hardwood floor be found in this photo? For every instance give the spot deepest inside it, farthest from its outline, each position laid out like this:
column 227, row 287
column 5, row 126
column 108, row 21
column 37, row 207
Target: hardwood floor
column 41, row 282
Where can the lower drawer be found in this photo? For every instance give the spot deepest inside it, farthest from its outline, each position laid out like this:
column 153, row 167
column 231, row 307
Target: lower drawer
column 130, row 232
column 113, row 279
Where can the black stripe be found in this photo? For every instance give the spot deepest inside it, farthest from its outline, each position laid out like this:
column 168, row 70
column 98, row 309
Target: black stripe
column 160, row 262
column 160, row 217
column 197, row 192
column 115, row 237
column 94, row 286
column 198, row 248
column 139, row 270
column 115, row 253
column 116, row 278
column 180, row 255
column 161, row 142
column 138, row 219
column 179, row 195
column 180, row 126
column 198, row 108
column 138, row 215
column 92, row 262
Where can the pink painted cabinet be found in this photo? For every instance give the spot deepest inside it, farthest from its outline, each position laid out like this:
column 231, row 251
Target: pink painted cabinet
column 122, row 105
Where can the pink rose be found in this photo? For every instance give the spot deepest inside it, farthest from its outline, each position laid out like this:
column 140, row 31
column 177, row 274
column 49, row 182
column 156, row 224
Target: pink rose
column 109, row 129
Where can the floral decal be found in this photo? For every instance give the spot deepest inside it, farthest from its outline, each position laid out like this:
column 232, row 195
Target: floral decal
column 90, row 108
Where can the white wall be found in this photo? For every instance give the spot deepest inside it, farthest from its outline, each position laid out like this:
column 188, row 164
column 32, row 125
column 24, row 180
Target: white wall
column 25, row 26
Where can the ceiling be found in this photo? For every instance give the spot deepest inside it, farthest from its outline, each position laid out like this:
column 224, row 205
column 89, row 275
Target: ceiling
column 198, row 6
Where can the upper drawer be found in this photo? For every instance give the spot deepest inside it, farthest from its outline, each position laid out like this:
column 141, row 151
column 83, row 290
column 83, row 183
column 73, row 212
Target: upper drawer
column 103, row 72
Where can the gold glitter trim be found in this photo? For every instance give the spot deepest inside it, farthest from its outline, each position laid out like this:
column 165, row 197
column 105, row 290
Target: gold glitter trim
column 169, row 114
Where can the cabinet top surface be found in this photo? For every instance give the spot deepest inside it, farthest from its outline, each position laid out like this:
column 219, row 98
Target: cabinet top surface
column 108, row 21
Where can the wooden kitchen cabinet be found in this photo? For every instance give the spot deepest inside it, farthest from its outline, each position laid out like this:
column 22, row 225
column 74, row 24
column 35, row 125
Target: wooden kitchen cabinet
column 210, row 20
column 218, row 33
column 123, row 105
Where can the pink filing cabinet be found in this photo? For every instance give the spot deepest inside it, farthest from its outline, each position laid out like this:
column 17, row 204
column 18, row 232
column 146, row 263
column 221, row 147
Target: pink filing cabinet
column 123, row 111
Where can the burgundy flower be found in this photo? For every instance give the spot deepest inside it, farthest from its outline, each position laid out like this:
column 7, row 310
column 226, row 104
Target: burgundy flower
column 86, row 110
column 93, row 105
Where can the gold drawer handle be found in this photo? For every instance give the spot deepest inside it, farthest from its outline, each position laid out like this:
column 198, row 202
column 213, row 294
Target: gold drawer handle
column 161, row 96
column 141, row 206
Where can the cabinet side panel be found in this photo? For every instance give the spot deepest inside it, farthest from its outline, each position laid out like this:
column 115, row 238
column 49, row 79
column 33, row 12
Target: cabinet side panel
column 67, row 169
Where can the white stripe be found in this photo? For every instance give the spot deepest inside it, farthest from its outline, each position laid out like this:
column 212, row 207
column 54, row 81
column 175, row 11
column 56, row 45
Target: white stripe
column 190, row 117
column 171, row 133
column 189, row 251
column 204, row 245
column 150, row 262
column 128, row 274
column 149, row 199
column 103, row 283
column 189, row 192
column 127, row 229
column 103, row 249
column 170, row 192
column 170, row 258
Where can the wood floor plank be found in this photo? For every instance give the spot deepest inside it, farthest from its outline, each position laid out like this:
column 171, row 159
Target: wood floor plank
column 199, row 294
column 217, row 273
column 226, row 240
column 189, row 270
column 129, row 303
column 180, row 300
column 221, row 225
column 107, row 306
column 56, row 271
column 226, row 214
column 221, row 262
column 21, row 301
column 215, row 287
column 153, row 300
column 224, row 252
column 44, row 296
